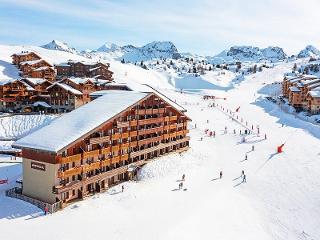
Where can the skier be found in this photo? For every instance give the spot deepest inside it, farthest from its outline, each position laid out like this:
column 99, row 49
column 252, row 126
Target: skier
column 242, row 173
column 122, row 188
column 220, row 174
column 252, row 148
column 46, row 210
column 240, row 132
column 201, row 139
column 243, row 139
column 214, row 134
column 244, row 179
column 246, row 157
column 265, row 136
column 183, row 177
column 234, row 131
column 207, row 121
column 180, row 185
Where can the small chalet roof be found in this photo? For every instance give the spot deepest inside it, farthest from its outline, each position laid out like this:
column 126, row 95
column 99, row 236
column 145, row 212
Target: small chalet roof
column 29, row 88
column 42, row 104
column 72, row 126
column 42, row 68
column 294, row 89
column 24, row 53
column 31, row 62
column 315, row 93
column 35, row 81
column 66, row 87
column 78, row 80
column 92, row 69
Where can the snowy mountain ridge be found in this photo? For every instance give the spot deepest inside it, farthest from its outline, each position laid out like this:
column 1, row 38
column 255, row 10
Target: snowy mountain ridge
column 309, row 51
column 61, row 46
column 156, row 49
column 249, row 54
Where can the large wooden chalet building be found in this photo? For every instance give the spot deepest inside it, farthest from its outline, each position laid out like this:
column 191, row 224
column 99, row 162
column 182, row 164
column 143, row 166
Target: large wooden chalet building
column 83, row 69
column 100, row 144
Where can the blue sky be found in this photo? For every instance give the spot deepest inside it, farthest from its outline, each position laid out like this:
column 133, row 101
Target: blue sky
column 203, row 26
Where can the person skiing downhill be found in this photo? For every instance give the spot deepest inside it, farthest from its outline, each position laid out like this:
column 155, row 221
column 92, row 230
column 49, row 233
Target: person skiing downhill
column 242, row 173
column 252, row 148
column 122, row 188
column 220, row 174
column 246, row 157
column 183, row 177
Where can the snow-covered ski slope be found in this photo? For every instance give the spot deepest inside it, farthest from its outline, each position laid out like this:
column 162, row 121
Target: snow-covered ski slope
column 279, row 201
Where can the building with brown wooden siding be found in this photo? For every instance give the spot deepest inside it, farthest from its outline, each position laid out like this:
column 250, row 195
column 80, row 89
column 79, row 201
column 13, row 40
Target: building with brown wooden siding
column 100, row 144
column 64, row 98
column 296, row 89
column 17, row 58
column 313, row 98
column 83, row 69
column 15, row 95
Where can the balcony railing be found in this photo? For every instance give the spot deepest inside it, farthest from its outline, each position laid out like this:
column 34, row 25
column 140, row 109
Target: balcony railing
column 90, row 154
column 99, row 140
column 72, row 158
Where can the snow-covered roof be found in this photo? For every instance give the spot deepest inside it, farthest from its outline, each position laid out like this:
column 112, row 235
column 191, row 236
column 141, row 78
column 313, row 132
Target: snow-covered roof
column 24, row 53
column 66, row 87
column 92, row 69
column 35, row 81
column 79, row 80
column 29, row 88
column 315, row 93
column 294, row 89
column 72, row 126
column 42, row 68
column 41, row 103
column 63, row 65
column 31, row 62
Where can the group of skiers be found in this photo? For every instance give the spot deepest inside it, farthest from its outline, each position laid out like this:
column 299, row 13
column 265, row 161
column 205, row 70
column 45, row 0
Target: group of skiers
column 243, row 175
column 181, row 182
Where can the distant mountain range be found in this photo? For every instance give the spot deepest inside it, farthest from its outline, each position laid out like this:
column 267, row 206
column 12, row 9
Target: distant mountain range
column 167, row 50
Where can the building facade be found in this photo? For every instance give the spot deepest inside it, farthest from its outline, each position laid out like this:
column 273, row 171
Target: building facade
column 82, row 69
column 120, row 132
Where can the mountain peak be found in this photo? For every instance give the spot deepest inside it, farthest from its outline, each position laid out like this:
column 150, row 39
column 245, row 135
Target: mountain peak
column 108, row 47
column 58, row 45
column 309, row 51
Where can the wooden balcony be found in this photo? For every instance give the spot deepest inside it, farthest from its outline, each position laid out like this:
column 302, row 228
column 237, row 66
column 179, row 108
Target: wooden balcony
column 133, row 123
column 167, row 119
column 173, row 126
column 133, row 133
column 90, row 154
column 115, row 159
column 115, row 136
column 173, row 134
column 70, row 172
column 124, row 157
column 106, row 151
column 150, row 130
column 92, row 166
column 173, row 118
column 99, row 140
column 105, row 163
column 72, row 158
column 125, row 135
column 166, row 136
column 133, row 144
column 122, row 124
column 115, row 148
column 150, row 121
column 124, row 146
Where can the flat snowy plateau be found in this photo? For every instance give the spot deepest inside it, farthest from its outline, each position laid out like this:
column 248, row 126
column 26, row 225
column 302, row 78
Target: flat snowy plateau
column 280, row 200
